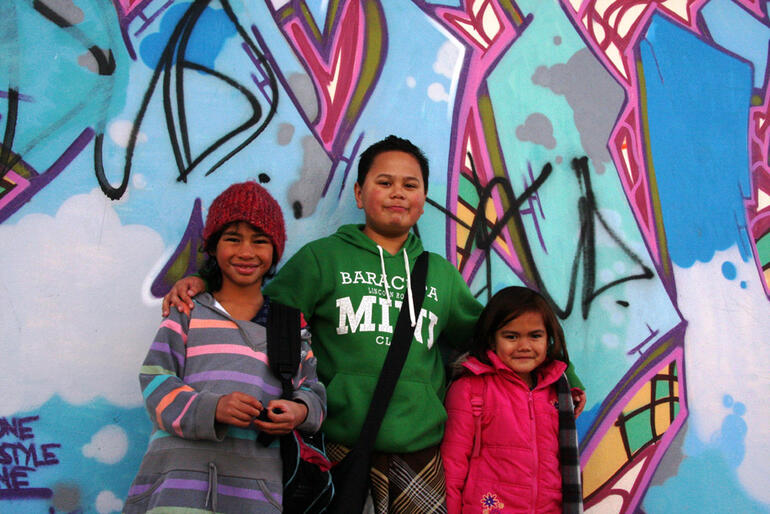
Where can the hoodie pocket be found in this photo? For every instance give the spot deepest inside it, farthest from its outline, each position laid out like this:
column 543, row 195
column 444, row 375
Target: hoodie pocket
column 140, row 492
column 196, row 490
column 414, row 420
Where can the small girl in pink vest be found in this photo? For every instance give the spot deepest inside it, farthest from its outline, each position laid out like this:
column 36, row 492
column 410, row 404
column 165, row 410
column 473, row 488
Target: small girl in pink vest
column 510, row 443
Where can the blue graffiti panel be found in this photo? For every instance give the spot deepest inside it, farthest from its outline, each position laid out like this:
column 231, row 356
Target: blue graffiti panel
column 697, row 106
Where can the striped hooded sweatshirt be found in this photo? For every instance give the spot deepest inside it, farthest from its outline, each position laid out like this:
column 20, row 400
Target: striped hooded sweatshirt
column 194, row 462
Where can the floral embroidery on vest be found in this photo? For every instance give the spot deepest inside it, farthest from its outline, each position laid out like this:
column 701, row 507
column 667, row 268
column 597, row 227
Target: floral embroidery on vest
column 491, row 504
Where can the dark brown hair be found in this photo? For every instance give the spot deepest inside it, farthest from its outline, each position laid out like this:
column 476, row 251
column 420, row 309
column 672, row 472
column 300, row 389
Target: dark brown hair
column 510, row 303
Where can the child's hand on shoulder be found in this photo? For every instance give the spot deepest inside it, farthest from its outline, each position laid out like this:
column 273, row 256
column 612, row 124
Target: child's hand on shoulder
column 237, row 409
column 284, row 416
column 181, row 295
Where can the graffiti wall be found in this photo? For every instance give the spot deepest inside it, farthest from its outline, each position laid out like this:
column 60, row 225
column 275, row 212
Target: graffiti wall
column 612, row 154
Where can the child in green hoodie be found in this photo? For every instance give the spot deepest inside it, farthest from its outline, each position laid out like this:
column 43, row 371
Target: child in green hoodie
column 351, row 286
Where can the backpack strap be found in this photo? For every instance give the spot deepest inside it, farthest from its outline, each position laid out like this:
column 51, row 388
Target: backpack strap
column 283, row 350
column 283, row 344
column 478, row 389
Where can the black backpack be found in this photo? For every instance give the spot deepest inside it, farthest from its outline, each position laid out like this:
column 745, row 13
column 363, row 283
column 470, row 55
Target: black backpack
column 307, row 481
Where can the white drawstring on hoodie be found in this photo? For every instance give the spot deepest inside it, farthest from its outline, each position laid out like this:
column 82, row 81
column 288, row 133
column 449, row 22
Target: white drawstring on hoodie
column 409, row 290
column 412, row 317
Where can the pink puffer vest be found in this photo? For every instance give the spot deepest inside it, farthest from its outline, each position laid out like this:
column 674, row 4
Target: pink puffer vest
column 514, row 465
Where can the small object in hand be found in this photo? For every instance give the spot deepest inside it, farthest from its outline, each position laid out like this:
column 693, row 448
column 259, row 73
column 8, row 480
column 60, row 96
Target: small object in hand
column 263, row 414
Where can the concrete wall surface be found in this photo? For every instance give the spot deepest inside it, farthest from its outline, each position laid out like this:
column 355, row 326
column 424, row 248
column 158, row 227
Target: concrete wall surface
column 612, row 154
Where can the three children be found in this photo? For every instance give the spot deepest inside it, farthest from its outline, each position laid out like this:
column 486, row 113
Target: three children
column 351, row 286
column 206, row 379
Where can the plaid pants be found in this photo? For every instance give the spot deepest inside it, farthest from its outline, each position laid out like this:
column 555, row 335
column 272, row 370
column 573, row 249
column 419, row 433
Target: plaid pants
column 403, row 483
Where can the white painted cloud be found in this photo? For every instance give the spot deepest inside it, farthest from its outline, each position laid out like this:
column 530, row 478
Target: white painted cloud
column 411, row 82
column 448, row 63
column 120, row 133
column 437, row 93
column 71, row 311
column 606, row 275
column 446, row 60
column 138, row 181
column 612, row 311
column 618, row 269
column 109, row 445
column 610, row 340
column 107, row 502
column 727, row 353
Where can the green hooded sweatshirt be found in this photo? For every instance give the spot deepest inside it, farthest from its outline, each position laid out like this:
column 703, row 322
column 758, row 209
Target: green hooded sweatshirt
column 342, row 284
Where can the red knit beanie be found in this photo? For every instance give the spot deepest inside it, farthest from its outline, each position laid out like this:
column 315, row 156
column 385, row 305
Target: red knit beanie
column 250, row 202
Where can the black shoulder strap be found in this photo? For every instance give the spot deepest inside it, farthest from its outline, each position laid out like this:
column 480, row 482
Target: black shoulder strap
column 395, row 359
column 283, row 344
column 283, row 350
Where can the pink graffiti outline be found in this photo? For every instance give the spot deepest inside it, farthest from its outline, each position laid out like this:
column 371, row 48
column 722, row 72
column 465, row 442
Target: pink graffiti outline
column 613, row 32
column 483, row 51
column 128, row 10
column 125, row 7
column 602, row 32
column 759, row 157
column 336, row 63
column 467, row 124
column 18, row 184
column 25, row 189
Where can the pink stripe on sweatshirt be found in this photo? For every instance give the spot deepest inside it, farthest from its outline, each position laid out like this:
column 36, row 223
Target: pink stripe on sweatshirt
column 208, row 349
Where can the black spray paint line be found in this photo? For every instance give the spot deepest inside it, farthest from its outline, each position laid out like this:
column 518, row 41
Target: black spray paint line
column 8, row 12
column 174, row 52
column 585, row 251
column 9, row 158
column 10, row 131
column 105, row 61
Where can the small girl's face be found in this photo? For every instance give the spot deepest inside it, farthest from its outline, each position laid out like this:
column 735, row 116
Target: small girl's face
column 244, row 255
column 522, row 344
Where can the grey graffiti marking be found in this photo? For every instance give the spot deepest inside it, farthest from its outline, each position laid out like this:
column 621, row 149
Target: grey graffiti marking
column 538, row 129
column 595, row 98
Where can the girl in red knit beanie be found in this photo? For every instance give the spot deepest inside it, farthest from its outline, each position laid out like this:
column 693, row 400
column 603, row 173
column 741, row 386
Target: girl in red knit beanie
column 206, row 380
column 245, row 202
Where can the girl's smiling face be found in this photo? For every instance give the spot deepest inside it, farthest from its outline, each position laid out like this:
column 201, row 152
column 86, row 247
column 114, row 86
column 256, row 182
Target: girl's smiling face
column 522, row 344
column 244, row 255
